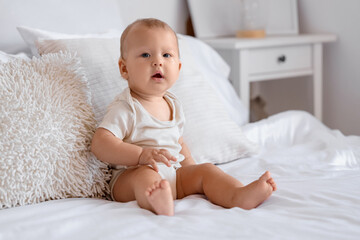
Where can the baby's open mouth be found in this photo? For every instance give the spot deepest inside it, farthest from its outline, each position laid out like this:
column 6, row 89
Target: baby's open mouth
column 157, row 75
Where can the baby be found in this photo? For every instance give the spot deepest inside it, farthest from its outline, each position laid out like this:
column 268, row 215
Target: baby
column 141, row 133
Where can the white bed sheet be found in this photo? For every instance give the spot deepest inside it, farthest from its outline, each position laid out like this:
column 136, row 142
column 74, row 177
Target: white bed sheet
column 316, row 169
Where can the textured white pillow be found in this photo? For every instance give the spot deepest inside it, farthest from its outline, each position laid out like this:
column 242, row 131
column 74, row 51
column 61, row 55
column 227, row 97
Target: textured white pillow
column 31, row 35
column 211, row 134
column 46, row 128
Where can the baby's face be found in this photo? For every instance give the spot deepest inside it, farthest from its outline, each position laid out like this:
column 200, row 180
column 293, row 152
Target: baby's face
column 151, row 61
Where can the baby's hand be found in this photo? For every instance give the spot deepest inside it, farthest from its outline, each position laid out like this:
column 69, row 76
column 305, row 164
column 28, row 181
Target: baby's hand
column 149, row 156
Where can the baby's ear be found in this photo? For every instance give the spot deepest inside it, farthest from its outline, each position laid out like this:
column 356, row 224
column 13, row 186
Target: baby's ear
column 123, row 69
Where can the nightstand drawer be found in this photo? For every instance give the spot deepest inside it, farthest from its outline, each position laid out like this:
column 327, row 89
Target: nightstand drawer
column 279, row 59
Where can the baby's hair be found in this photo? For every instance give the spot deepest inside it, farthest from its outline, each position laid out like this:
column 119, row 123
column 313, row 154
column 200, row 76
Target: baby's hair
column 147, row 22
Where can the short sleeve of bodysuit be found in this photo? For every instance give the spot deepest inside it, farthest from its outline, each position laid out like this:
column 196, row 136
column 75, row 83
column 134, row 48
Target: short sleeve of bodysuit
column 118, row 119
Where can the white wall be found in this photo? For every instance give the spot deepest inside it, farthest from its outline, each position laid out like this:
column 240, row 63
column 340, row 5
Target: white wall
column 341, row 66
column 342, row 73
column 173, row 12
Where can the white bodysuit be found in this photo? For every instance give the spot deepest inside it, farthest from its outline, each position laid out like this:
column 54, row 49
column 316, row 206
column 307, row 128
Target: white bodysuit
column 128, row 120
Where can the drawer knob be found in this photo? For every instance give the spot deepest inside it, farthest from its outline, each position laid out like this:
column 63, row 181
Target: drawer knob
column 282, row 59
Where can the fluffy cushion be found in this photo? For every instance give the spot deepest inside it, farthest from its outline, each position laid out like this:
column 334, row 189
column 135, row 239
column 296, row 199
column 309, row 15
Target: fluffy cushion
column 46, row 125
column 210, row 133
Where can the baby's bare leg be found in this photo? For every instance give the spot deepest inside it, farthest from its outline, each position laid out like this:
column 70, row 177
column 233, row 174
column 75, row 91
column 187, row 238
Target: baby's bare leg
column 144, row 185
column 221, row 188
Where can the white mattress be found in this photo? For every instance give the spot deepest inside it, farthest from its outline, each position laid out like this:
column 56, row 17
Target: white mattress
column 316, row 169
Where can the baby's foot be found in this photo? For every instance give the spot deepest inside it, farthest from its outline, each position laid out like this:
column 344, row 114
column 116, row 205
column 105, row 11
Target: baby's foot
column 256, row 192
column 160, row 198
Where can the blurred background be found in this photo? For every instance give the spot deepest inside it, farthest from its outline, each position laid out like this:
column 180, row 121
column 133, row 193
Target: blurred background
column 341, row 68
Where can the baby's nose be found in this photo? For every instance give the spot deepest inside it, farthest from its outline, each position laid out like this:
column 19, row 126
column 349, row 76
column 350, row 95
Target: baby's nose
column 157, row 62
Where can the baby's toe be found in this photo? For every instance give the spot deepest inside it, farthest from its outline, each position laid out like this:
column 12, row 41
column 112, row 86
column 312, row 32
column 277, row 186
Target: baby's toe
column 152, row 187
column 148, row 191
column 164, row 184
column 157, row 184
column 265, row 177
column 273, row 184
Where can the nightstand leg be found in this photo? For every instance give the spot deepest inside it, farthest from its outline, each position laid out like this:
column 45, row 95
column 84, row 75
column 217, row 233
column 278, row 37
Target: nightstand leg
column 244, row 83
column 318, row 79
column 239, row 74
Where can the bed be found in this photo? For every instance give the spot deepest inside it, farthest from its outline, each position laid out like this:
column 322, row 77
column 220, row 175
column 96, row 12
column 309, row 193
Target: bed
column 54, row 88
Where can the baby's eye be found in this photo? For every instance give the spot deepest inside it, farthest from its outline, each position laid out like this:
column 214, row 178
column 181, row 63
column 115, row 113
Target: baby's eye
column 166, row 55
column 145, row 55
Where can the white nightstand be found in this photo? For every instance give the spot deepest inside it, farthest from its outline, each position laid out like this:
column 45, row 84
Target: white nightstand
column 272, row 58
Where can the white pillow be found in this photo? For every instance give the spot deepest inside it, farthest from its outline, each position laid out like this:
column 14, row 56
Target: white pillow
column 206, row 62
column 210, row 64
column 46, row 128
column 4, row 57
column 99, row 59
column 216, row 71
column 31, row 35
column 212, row 135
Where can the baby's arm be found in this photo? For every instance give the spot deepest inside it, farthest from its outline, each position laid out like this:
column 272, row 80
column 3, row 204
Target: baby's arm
column 108, row 148
column 186, row 152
